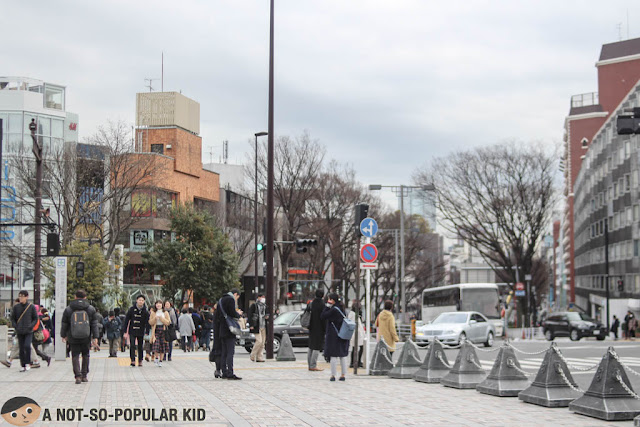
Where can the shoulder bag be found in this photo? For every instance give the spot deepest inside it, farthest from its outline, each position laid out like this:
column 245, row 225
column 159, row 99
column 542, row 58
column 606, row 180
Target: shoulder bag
column 234, row 326
column 305, row 319
column 348, row 326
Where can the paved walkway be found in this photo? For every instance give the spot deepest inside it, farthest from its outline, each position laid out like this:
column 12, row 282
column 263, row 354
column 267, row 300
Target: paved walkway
column 270, row 394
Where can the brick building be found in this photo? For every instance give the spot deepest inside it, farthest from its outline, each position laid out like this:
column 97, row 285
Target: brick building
column 167, row 127
column 618, row 72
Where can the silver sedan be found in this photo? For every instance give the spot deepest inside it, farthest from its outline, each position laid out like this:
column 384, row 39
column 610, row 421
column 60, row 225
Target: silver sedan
column 456, row 327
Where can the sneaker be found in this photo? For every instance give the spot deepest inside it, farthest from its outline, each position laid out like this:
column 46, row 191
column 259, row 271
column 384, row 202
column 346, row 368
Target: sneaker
column 332, row 379
column 133, row 363
column 155, row 362
column 23, row 369
column 160, row 364
column 342, row 378
column 26, row 368
column 78, row 380
column 5, row 363
column 84, row 380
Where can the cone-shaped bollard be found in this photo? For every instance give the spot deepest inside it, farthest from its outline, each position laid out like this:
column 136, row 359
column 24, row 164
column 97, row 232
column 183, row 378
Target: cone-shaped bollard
column 408, row 362
column 607, row 398
column 549, row 388
column 466, row 372
column 285, row 354
column 435, row 365
column 506, row 378
column 381, row 362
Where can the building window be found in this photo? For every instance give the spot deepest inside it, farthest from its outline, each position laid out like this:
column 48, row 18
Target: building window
column 636, row 213
column 634, row 179
column 54, row 97
column 629, row 215
column 157, row 148
column 615, row 190
column 627, row 149
column 627, row 183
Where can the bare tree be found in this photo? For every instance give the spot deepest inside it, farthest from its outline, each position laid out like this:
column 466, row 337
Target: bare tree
column 498, row 199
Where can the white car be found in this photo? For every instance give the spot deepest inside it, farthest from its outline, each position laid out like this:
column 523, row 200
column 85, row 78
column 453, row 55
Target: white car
column 456, row 327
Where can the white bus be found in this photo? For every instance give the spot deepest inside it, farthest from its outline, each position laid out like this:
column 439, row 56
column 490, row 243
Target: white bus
column 480, row 297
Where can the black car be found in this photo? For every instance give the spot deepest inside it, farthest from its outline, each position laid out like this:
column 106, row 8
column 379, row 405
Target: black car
column 573, row 325
column 288, row 321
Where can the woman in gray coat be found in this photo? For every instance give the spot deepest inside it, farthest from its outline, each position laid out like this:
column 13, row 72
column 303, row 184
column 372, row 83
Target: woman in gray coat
column 187, row 328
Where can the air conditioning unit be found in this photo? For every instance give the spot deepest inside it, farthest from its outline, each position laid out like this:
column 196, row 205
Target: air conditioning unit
column 168, row 146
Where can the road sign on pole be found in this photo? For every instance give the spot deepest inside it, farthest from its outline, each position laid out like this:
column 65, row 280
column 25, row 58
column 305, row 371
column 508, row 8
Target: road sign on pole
column 369, row 253
column 368, row 227
column 368, row 266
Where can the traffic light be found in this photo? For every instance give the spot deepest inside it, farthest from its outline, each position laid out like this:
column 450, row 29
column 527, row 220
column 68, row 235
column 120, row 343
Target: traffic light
column 620, row 285
column 260, row 247
column 302, row 244
column 79, row 269
column 362, row 211
column 53, row 244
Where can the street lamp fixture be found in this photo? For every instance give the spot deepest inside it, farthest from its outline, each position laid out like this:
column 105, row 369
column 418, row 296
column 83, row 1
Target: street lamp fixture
column 401, row 190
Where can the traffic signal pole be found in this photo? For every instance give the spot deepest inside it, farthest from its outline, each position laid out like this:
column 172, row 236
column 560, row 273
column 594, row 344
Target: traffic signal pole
column 606, row 266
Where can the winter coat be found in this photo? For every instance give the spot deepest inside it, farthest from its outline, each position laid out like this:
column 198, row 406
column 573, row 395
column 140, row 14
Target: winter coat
column 317, row 325
column 352, row 316
column 136, row 322
column 334, row 346
column 386, row 325
column 78, row 305
column 28, row 321
column 207, row 320
column 112, row 327
column 228, row 304
column 185, row 325
column 615, row 325
column 172, row 316
column 153, row 321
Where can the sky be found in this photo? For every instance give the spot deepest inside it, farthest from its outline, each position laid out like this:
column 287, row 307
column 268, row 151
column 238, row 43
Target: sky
column 386, row 86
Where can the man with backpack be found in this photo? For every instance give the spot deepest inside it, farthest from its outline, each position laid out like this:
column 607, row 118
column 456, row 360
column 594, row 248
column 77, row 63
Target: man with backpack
column 79, row 326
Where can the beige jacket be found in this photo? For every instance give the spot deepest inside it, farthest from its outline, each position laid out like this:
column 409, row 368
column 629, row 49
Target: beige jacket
column 153, row 321
column 386, row 327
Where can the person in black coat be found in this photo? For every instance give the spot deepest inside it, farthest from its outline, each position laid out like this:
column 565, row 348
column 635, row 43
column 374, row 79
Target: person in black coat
column 614, row 326
column 136, row 325
column 335, row 347
column 227, row 305
column 316, row 331
column 80, row 345
column 23, row 319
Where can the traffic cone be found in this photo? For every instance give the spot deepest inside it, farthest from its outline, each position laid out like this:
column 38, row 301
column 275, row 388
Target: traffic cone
column 408, row 362
column 466, row 372
column 381, row 362
column 435, row 365
column 606, row 398
column 505, row 379
column 285, row 354
column 549, row 388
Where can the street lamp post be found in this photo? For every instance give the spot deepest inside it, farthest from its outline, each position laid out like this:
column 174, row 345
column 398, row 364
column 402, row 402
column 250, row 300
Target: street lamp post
column 401, row 191
column 255, row 215
column 37, row 151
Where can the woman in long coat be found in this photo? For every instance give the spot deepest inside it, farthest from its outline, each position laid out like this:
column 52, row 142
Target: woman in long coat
column 335, row 347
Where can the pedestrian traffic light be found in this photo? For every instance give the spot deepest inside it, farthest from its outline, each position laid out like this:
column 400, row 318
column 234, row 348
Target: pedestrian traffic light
column 53, row 244
column 620, row 285
column 260, row 247
column 302, row 244
column 79, row 269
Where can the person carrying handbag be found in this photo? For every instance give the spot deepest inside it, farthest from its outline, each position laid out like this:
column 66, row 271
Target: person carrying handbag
column 227, row 315
column 335, row 347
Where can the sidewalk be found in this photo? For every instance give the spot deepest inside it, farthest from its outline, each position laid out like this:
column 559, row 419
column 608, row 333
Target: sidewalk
column 270, row 394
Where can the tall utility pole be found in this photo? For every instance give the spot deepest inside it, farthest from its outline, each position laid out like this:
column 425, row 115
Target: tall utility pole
column 269, row 253
column 255, row 216
column 37, row 152
column 403, row 301
column 606, row 266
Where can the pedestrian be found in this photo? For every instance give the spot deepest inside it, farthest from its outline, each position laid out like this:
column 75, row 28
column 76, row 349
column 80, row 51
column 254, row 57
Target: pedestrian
column 159, row 321
column 24, row 318
column 316, row 331
column 45, row 318
column 100, row 318
column 207, row 326
column 38, row 339
column 79, row 325
column 136, row 326
column 215, row 355
column 187, row 328
column 112, row 327
column 168, row 307
column 258, row 325
column 632, row 325
column 120, row 315
column 335, row 347
column 356, row 349
column 197, row 322
column 386, row 326
column 227, row 309
column 614, row 327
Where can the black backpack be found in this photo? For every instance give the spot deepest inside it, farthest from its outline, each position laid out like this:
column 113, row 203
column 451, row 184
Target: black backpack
column 80, row 325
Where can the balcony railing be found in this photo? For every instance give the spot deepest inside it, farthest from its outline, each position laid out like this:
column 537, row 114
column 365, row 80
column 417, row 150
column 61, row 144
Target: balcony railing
column 584, row 100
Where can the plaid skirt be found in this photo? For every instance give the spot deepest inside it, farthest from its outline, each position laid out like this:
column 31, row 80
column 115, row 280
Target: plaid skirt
column 160, row 345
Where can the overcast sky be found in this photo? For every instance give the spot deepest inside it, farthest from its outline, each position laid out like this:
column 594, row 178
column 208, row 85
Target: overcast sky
column 384, row 85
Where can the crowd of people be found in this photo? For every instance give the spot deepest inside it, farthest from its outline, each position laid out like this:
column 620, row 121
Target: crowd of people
column 151, row 333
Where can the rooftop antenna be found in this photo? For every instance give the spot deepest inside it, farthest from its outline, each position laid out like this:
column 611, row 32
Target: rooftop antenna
column 619, row 27
column 225, row 151
column 162, row 78
column 150, row 84
column 211, row 155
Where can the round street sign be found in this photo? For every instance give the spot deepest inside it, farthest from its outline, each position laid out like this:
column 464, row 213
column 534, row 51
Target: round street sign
column 519, row 286
column 368, row 227
column 369, row 252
